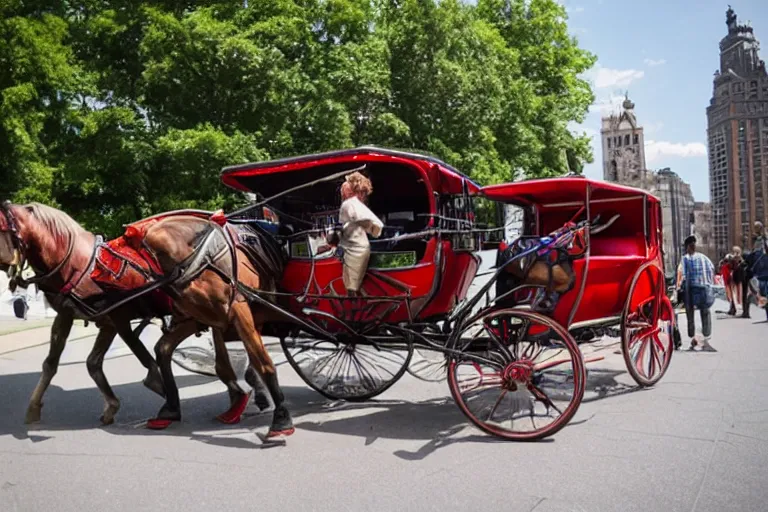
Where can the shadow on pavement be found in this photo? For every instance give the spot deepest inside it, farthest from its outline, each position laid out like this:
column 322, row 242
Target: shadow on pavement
column 603, row 383
column 79, row 409
column 436, row 421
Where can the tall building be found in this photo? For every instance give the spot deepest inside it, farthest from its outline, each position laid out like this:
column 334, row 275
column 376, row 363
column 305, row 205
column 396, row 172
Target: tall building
column 737, row 132
column 624, row 147
column 702, row 214
column 677, row 212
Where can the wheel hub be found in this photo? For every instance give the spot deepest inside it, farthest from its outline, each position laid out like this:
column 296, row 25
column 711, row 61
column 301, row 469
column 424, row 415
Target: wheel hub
column 517, row 372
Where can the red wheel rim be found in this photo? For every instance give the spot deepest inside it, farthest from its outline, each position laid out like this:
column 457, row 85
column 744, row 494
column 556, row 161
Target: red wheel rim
column 647, row 327
column 528, row 397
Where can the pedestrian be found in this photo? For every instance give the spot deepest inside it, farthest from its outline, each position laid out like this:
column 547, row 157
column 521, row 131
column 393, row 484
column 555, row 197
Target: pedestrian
column 726, row 272
column 741, row 278
column 759, row 264
column 735, row 285
column 698, row 276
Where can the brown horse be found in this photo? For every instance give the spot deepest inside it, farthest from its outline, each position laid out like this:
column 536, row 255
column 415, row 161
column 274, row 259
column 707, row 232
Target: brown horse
column 61, row 252
column 59, row 249
column 215, row 275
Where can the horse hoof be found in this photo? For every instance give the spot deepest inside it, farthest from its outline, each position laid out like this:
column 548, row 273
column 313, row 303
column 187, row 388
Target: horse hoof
column 280, row 433
column 236, row 411
column 107, row 420
column 158, row 424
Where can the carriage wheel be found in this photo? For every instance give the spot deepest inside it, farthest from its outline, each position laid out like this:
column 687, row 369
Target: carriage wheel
column 519, row 375
column 647, row 326
column 352, row 371
column 429, row 365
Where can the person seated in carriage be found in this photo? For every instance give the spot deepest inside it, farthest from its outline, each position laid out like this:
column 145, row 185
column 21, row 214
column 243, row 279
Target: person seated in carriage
column 358, row 221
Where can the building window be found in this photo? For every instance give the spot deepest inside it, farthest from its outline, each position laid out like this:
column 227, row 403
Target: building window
column 635, row 139
column 626, row 140
column 609, row 143
column 618, row 141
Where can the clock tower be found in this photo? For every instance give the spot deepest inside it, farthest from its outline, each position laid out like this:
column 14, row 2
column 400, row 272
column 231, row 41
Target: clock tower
column 624, row 147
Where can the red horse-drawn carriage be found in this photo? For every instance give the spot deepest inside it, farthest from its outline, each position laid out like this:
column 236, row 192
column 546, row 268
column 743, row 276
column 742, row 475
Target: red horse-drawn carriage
column 588, row 263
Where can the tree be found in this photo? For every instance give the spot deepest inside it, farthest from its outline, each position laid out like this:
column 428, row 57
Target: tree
column 116, row 109
column 40, row 83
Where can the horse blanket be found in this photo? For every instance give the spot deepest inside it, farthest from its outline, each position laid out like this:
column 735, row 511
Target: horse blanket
column 124, row 268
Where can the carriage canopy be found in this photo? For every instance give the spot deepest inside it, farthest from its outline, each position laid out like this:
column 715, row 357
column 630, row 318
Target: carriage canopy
column 270, row 177
column 563, row 191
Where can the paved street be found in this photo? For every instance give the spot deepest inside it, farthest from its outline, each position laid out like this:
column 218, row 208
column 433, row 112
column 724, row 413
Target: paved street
column 698, row 441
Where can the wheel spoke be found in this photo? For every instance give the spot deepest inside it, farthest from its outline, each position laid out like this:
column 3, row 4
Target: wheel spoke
column 647, row 312
column 350, row 371
column 544, row 381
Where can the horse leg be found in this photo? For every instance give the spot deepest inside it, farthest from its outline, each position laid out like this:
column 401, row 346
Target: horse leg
column 142, row 325
column 238, row 399
column 171, row 410
column 95, row 363
column 62, row 326
column 282, row 424
column 153, row 380
column 259, row 390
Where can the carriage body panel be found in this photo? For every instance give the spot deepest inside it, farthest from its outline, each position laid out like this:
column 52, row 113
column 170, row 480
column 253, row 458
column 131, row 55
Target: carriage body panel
column 408, row 279
column 614, row 255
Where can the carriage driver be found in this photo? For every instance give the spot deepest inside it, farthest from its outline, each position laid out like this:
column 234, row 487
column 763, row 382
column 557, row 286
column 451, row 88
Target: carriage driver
column 357, row 222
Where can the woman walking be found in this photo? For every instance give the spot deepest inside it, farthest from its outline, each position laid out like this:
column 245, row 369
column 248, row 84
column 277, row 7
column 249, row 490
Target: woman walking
column 726, row 271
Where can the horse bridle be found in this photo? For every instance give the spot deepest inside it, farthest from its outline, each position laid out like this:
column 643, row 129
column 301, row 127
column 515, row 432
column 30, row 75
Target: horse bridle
column 20, row 258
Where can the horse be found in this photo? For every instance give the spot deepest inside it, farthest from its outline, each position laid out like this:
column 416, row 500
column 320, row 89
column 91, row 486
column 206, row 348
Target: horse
column 216, row 270
column 62, row 254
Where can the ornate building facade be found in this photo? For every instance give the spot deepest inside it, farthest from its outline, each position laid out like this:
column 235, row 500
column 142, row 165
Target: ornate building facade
column 677, row 211
column 737, row 132
column 624, row 147
column 624, row 162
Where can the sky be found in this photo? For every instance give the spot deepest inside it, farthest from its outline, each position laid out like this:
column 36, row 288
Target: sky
column 664, row 53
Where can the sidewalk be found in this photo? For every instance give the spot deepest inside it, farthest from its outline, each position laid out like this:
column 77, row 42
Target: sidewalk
column 35, row 335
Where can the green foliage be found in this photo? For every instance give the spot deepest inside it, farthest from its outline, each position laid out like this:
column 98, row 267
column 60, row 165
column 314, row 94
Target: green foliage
column 117, row 109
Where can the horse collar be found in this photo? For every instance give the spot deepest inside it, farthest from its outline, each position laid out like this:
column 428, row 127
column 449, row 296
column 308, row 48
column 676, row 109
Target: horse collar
column 38, row 279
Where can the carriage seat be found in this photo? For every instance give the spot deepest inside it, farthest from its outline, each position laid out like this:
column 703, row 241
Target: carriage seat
column 618, row 246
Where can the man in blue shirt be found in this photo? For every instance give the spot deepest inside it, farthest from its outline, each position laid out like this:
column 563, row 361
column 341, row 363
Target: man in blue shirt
column 697, row 273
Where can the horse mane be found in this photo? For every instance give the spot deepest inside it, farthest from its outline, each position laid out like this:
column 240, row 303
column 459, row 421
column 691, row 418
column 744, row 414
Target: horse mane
column 59, row 224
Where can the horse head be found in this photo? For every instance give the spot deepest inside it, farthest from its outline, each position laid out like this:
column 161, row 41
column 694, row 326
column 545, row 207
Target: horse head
column 34, row 234
column 12, row 246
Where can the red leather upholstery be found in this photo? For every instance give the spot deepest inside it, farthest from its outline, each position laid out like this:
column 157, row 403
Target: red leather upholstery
column 618, row 246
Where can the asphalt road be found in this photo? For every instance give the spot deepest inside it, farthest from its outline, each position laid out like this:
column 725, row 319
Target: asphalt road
column 698, row 441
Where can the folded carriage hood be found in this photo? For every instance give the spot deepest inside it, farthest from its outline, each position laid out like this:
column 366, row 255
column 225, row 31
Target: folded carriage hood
column 562, row 190
column 270, row 177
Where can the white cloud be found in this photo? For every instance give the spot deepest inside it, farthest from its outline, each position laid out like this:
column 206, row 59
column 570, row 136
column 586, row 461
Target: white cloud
column 606, row 78
column 607, row 105
column 653, row 63
column 657, row 149
column 574, row 9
